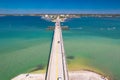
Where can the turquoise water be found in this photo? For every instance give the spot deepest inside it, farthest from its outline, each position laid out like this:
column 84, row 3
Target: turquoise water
column 25, row 44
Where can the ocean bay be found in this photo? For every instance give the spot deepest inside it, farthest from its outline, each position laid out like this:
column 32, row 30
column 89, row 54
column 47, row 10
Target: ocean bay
column 25, row 43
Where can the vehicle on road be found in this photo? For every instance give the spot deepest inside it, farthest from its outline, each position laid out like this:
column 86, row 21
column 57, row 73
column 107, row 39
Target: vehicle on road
column 58, row 41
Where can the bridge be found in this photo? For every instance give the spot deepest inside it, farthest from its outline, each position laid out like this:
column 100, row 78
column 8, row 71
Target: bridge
column 57, row 69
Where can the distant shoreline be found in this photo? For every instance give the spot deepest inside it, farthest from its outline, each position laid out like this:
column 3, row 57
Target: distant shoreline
column 81, row 15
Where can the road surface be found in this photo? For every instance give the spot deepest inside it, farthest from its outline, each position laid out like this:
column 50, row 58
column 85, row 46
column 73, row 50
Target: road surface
column 57, row 69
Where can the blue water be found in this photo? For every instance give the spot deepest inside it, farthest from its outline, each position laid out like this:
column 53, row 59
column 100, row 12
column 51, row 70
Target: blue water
column 34, row 22
column 24, row 23
column 19, row 33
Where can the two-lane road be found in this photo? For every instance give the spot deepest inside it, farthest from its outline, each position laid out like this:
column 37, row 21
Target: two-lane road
column 57, row 64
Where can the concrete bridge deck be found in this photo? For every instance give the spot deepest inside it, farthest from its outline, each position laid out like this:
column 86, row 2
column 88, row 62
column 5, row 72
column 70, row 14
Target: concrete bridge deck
column 57, row 69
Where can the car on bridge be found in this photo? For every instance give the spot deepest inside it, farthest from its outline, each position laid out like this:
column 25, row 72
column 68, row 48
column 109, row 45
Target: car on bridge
column 58, row 41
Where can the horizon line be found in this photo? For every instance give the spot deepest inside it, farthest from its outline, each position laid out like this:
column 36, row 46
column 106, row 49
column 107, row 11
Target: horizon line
column 57, row 11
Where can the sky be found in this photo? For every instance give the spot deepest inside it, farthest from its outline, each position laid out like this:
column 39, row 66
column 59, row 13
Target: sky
column 59, row 6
